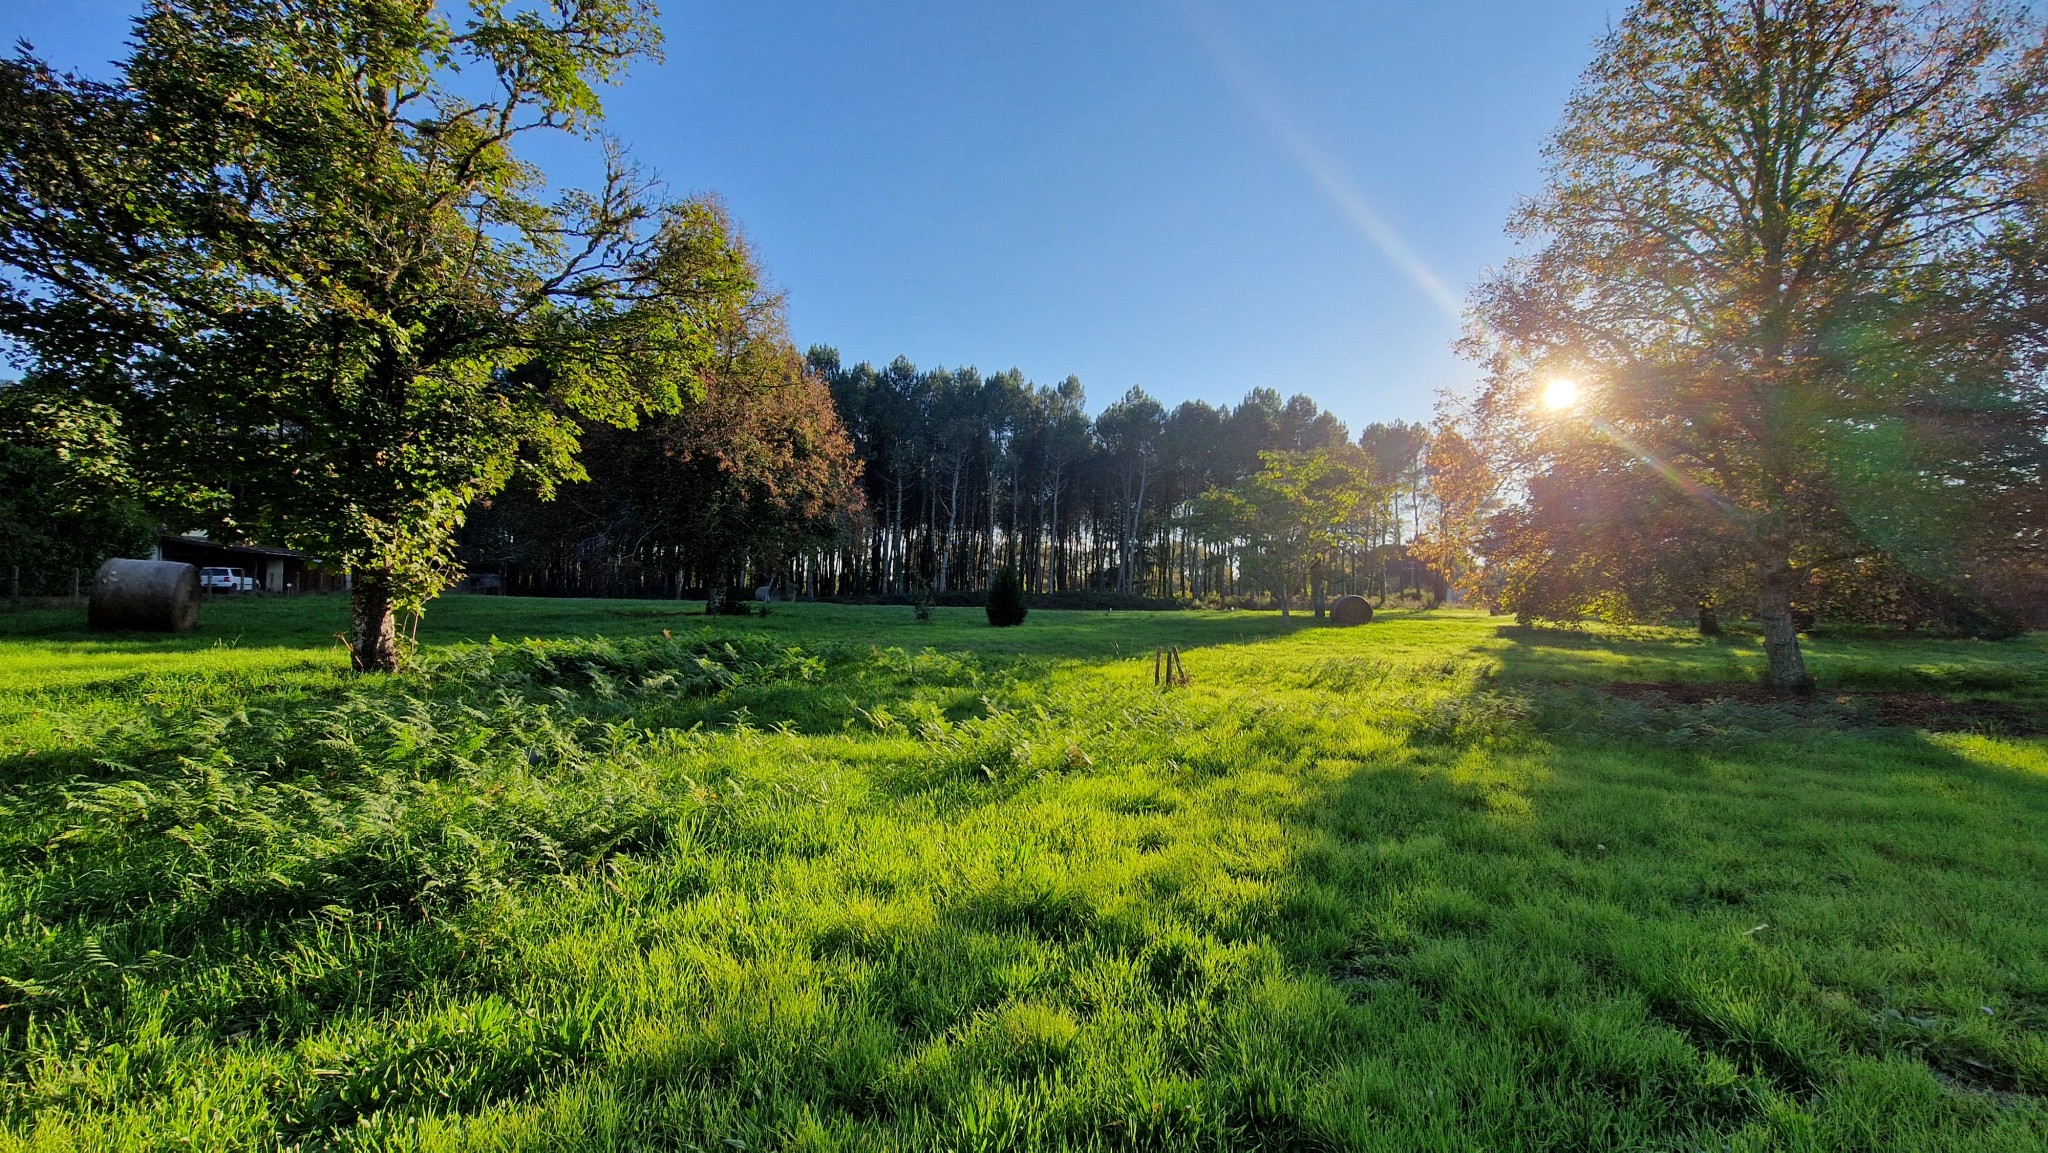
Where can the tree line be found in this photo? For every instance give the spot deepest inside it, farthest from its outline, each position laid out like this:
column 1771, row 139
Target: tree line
column 910, row 480
column 963, row 474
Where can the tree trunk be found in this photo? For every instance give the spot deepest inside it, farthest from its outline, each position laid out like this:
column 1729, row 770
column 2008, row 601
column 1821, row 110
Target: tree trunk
column 897, row 576
column 952, row 525
column 372, row 627
column 1137, row 529
column 993, row 489
column 1776, row 580
column 1710, row 622
column 1315, row 583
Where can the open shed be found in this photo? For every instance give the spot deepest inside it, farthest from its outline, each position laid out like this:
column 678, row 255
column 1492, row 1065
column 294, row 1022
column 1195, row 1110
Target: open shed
column 277, row 570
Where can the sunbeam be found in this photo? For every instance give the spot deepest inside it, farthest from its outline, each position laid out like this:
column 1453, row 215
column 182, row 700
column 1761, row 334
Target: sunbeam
column 1558, row 395
column 1322, row 169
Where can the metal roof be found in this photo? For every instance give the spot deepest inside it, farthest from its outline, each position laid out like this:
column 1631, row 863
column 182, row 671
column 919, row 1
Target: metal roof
column 201, row 540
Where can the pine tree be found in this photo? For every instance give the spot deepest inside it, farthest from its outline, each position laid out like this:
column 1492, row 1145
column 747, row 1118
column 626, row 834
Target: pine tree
column 1006, row 599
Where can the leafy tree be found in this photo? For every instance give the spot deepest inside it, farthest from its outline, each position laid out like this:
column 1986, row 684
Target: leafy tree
column 332, row 303
column 67, row 500
column 757, row 471
column 1292, row 513
column 1760, row 246
column 1596, row 537
column 1465, row 490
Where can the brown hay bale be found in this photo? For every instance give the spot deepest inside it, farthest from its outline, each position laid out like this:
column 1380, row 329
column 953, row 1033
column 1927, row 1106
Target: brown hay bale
column 1351, row 609
column 145, row 595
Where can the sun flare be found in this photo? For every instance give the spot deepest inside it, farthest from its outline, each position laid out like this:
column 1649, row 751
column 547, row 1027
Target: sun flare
column 1560, row 394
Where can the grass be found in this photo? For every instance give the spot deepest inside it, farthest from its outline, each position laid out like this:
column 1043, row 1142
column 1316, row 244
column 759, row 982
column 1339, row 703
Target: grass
column 835, row 880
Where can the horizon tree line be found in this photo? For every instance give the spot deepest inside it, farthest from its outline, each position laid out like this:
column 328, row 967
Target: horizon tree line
column 963, row 473
column 947, row 475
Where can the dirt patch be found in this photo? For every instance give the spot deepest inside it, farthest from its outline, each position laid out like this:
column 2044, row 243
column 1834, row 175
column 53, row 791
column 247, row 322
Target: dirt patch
column 1933, row 712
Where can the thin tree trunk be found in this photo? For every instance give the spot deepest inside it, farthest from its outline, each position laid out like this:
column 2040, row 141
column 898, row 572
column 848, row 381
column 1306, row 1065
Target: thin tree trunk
column 373, row 630
column 1059, row 576
column 898, row 574
column 952, row 526
column 1776, row 580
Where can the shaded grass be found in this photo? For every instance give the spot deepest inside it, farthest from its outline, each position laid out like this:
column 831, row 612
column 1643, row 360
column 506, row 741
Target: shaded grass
column 831, row 879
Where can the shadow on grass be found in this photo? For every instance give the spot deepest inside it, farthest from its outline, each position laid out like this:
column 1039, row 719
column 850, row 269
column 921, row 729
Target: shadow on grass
column 1592, row 935
column 2014, row 669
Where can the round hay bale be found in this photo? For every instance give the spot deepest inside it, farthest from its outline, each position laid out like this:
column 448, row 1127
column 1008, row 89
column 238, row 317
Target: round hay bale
column 145, row 595
column 1351, row 609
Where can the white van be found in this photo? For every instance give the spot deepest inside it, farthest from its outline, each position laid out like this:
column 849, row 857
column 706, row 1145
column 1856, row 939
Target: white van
column 226, row 580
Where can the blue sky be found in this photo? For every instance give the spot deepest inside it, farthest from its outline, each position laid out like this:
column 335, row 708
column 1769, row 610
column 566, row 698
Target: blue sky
column 1193, row 197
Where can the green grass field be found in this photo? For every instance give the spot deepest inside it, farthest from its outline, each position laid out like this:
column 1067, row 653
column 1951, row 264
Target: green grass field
column 833, row 879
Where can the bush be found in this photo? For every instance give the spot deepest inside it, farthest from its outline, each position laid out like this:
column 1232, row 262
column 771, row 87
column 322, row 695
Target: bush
column 1006, row 599
column 719, row 601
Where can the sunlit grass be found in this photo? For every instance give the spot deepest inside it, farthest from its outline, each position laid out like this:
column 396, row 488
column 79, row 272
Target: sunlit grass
column 835, row 879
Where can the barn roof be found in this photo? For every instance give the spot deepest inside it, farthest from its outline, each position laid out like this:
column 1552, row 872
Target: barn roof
column 203, row 541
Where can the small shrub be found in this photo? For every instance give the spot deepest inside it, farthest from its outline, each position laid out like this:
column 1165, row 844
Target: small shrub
column 1006, row 599
column 720, row 602
column 921, row 602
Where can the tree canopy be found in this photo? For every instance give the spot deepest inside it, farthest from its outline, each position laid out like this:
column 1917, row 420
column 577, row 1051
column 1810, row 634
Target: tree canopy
column 67, row 500
column 1765, row 249
column 296, row 248
column 758, row 472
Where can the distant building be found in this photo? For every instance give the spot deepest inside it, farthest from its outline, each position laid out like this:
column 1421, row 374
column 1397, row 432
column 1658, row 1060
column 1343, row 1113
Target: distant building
column 276, row 570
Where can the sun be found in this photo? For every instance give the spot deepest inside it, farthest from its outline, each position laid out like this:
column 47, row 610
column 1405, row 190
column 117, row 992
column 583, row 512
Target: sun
column 1560, row 394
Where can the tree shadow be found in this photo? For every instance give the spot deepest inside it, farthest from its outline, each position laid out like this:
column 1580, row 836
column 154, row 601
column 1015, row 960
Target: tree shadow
column 1587, row 934
column 1840, row 660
